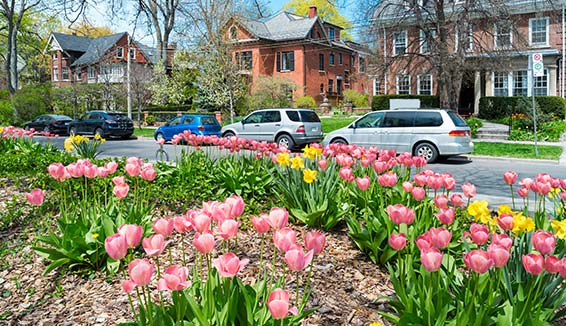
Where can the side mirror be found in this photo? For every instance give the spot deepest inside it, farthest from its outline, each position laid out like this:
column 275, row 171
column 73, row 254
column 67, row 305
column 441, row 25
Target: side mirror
column 353, row 125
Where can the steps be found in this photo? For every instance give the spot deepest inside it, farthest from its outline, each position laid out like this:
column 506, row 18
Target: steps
column 493, row 131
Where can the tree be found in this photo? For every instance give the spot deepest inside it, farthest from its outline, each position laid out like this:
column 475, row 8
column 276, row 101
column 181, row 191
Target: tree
column 273, row 92
column 84, row 28
column 326, row 9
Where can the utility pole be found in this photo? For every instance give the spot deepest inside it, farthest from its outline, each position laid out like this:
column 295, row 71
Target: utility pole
column 128, row 81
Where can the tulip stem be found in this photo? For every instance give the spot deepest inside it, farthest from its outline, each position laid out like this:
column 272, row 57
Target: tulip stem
column 273, row 267
column 512, row 196
column 308, row 281
column 297, row 293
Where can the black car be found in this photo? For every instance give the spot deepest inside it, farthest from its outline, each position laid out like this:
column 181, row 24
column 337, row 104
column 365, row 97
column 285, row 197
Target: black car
column 103, row 123
column 51, row 123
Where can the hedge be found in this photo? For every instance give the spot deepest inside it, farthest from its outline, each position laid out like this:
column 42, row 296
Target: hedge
column 381, row 102
column 496, row 107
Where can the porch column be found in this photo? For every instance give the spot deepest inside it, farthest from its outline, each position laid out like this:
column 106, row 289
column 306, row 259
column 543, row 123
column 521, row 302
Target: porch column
column 477, row 92
column 552, row 81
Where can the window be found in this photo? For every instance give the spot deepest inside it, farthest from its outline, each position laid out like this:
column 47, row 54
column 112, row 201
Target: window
column 371, row 120
column 244, row 60
column 331, row 33
column 377, row 87
column 541, row 84
column 255, row 117
column 321, row 62
column 119, row 52
column 470, row 38
column 321, row 88
column 399, row 42
column 503, row 36
column 500, row 83
column 65, row 73
column 55, row 73
column 362, row 64
column 346, row 78
column 132, row 54
column 538, row 31
column 520, row 83
column 339, row 58
column 330, row 85
column 233, row 33
column 331, row 59
column 424, row 84
column 78, row 74
column 428, row 119
column 403, row 84
column 352, row 61
column 271, row 116
column 425, row 37
column 54, row 56
column 91, row 72
column 286, row 61
column 399, row 119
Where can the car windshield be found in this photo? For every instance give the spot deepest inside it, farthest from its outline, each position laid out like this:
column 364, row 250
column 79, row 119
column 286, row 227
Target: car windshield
column 309, row 116
column 117, row 116
column 208, row 121
column 458, row 121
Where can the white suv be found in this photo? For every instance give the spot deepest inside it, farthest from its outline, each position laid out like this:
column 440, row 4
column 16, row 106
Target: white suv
column 288, row 127
column 429, row 133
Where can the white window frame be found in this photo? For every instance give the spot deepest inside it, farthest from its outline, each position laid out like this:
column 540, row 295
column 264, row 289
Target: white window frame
column 77, row 74
column 420, row 79
column 541, row 83
column 496, row 36
column 505, row 77
column 547, row 31
column 470, row 38
column 403, row 44
column 544, row 80
column 119, row 52
column 132, row 54
column 424, row 46
column 91, row 72
column 56, row 73
column 525, row 74
column 397, row 82
column 63, row 69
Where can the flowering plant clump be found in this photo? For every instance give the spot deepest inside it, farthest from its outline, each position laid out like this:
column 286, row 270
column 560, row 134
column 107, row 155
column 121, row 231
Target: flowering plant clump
column 208, row 291
column 83, row 146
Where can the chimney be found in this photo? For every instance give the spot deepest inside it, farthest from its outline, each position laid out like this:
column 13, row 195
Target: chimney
column 312, row 11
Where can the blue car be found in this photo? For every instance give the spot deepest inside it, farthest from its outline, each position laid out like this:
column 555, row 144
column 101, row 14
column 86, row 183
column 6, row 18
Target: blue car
column 198, row 124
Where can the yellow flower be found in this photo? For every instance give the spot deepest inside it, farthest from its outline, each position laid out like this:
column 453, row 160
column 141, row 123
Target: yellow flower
column 504, row 209
column 283, row 159
column 102, row 140
column 522, row 223
column 297, row 162
column 69, row 144
column 480, row 212
column 311, row 152
column 559, row 228
column 95, row 235
column 309, row 175
column 376, row 324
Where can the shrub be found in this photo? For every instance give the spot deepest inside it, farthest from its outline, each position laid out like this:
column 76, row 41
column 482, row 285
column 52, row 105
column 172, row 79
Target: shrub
column 381, row 102
column 150, row 120
column 30, row 102
column 358, row 100
column 305, row 102
column 474, row 124
column 497, row 107
column 6, row 112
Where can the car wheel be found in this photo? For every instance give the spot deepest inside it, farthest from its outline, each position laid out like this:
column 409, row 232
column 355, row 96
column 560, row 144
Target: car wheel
column 99, row 132
column 285, row 140
column 228, row 134
column 72, row 131
column 127, row 136
column 159, row 136
column 428, row 151
column 339, row 141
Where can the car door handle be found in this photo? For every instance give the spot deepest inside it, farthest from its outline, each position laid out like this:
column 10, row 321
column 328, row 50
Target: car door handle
column 256, row 125
column 278, row 125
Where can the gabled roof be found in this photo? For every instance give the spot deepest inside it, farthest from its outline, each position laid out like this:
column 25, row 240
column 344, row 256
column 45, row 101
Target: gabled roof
column 281, row 27
column 97, row 48
column 69, row 42
column 148, row 52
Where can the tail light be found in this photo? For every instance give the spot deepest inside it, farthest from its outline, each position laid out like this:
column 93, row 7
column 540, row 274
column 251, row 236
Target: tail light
column 201, row 128
column 301, row 129
column 58, row 122
column 458, row 133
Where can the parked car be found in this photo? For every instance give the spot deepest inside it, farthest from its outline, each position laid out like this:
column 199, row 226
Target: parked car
column 103, row 123
column 198, row 124
column 286, row 126
column 429, row 133
column 51, row 123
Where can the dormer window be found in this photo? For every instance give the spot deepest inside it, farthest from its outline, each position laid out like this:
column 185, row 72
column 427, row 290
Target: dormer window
column 132, row 54
column 331, row 33
column 233, row 33
column 119, row 52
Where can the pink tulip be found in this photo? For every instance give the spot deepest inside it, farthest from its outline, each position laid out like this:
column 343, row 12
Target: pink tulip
column 133, row 169
column 315, row 241
column 236, row 205
column 379, row 166
column 449, row 182
column 346, row 174
column 121, row 191
column 445, row 215
column 562, row 267
column 397, row 241
column 505, row 222
column 418, row 193
column 278, row 304
column 91, row 171
column 296, row 259
column 533, row 263
column 502, row 239
column 200, row 222
column 440, row 237
column 261, row 223
column 133, row 234
column 431, row 259
column 510, row 177
column 111, row 166
column 284, row 239
column 57, row 171
column 543, row 242
column 478, row 261
column 116, row 246
column 35, row 197
column 140, row 271
column 322, row 164
column 228, row 265
column 408, row 186
column 441, row 201
column 163, row 226
column 424, row 241
column 148, row 173
column 128, row 286
column 154, row 245
column 75, row 170
column 552, row 264
column 479, row 233
column 228, row 229
column 278, row 218
column 400, row 214
column 119, row 181
column 363, row 183
column 388, row 179
column 469, row 190
column 499, row 255
column 457, row 200
column 174, row 279
column 204, row 242
column 523, row 192
column 182, row 224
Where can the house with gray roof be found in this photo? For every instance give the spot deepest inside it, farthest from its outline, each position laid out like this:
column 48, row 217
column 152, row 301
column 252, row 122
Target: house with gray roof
column 81, row 59
column 305, row 50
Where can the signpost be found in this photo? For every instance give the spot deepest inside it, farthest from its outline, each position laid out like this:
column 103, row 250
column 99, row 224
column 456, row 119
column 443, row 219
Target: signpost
column 537, row 69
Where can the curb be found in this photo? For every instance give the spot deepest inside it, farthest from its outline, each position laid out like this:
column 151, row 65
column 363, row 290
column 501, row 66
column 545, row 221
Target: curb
column 514, row 159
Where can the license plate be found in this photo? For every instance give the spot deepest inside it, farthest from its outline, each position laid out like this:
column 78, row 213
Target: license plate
column 314, row 129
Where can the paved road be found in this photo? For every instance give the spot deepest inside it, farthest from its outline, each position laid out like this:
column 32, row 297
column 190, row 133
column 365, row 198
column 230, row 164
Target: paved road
column 485, row 173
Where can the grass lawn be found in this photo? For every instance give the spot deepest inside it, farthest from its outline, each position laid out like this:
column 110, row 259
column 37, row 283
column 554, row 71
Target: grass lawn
column 517, row 150
column 145, row 132
column 331, row 124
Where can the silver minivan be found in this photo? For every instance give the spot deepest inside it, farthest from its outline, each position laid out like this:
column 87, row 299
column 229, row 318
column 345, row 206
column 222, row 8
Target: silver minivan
column 285, row 126
column 429, row 133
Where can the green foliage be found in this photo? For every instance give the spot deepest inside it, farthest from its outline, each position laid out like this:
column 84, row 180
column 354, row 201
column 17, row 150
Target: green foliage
column 272, row 92
column 496, row 107
column 474, row 124
column 6, row 112
column 358, row 100
column 84, row 147
column 30, row 102
column 331, row 124
column 326, row 9
column 150, row 120
column 381, row 102
column 305, row 102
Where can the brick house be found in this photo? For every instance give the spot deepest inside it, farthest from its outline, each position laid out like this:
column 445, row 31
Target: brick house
column 531, row 27
column 305, row 50
column 80, row 59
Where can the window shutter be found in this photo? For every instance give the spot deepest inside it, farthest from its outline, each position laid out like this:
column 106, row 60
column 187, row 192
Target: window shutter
column 278, row 61
column 292, row 63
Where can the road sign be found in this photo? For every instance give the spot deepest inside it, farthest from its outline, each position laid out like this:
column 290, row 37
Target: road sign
column 538, row 66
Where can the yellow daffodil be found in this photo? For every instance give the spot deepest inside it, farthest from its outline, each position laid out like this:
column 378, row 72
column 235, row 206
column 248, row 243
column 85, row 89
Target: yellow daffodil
column 504, row 209
column 522, row 223
column 309, row 176
column 95, row 235
column 69, row 144
column 311, row 153
column 297, row 162
column 376, row 324
column 559, row 228
column 283, row 159
column 480, row 212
